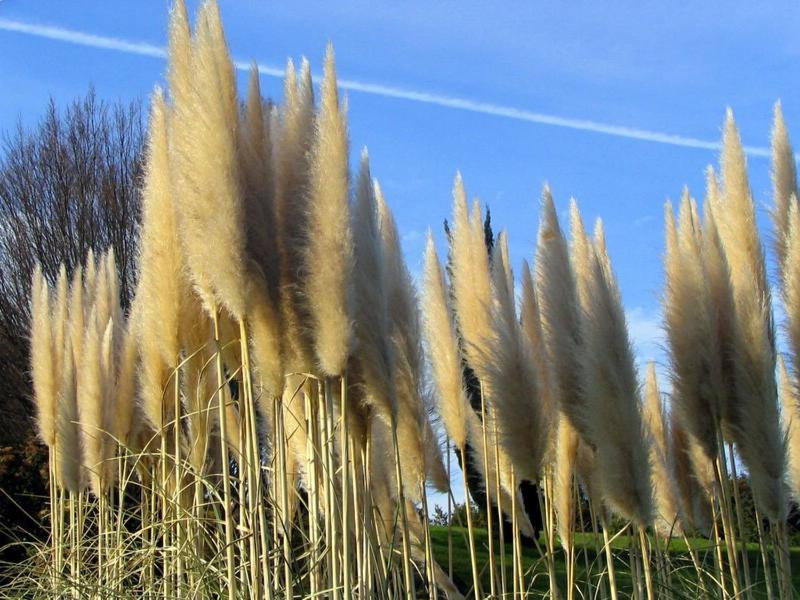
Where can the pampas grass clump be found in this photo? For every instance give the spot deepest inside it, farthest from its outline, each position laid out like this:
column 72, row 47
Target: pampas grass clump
column 263, row 419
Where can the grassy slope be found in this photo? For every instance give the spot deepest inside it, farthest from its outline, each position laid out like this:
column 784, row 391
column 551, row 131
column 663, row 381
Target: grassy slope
column 682, row 583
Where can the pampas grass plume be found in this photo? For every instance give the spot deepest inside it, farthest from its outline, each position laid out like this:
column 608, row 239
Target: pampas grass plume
column 264, row 327
column 101, row 296
column 443, row 351
column 582, row 256
column 43, row 358
column 68, row 428
column 666, row 503
column 567, row 441
column 264, row 317
column 418, row 449
column 791, row 424
column 76, row 313
column 616, row 428
column 784, row 182
column 256, row 160
column 736, row 215
column 559, row 311
column 208, row 198
column 531, row 324
column 91, row 403
column 329, row 254
column 508, row 373
column 293, row 138
column 754, row 418
column 60, row 324
column 790, row 282
column 470, row 279
column 160, row 266
column 371, row 324
column 125, row 383
column 180, row 54
column 689, row 318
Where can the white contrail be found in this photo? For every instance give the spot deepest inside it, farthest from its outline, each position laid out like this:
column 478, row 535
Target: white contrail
column 487, row 108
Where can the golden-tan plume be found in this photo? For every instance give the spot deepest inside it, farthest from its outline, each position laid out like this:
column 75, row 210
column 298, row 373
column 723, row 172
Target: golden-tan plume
column 329, row 254
column 45, row 386
column 76, row 313
column 470, row 281
column 666, row 503
column 417, row 440
column 689, row 319
column 68, row 436
column 791, row 424
column 371, row 323
column 91, row 404
column 790, row 283
column 440, row 336
column 208, row 199
column 754, row 423
column 567, row 441
column 291, row 159
column 508, row 375
column 784, row 183
column 616, row 428
column 161, row 277
column 559, row 311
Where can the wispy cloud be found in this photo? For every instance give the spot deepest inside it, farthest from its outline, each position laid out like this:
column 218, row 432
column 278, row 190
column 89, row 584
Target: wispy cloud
column 83, row 39
column 487, row 108
column 646, row 334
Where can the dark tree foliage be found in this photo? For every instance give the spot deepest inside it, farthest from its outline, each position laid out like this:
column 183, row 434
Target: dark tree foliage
column 68, row 184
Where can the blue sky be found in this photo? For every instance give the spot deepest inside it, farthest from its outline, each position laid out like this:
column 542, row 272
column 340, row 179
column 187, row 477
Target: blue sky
column 631, row 65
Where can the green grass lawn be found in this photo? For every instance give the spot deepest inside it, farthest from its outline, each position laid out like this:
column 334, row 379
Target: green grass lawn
column 682, row 582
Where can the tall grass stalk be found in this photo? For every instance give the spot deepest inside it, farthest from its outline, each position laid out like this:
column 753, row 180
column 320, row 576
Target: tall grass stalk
column 721, row 474
column 762, row 546
column 612, row 573
column 470, row 531
column 489, row 526
column 737, row 502
column 227, row 508
column 546, row 500
column 346, row 520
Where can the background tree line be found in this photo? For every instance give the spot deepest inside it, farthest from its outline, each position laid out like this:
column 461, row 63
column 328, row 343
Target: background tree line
column 67, row 184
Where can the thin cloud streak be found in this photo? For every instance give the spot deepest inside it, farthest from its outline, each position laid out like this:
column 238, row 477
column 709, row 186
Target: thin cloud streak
column 487, row 108
column 83, row 39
